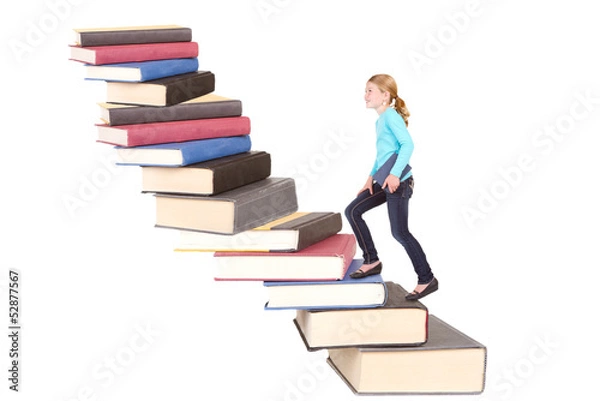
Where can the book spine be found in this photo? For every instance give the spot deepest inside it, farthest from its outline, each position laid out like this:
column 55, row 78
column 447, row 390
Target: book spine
column 238, row 173
column 185, row 130
column 266, row 205
column 210, row 149
column 165, row 68
column 104, row 38
column 145, row 52
column 348, row 252
column 181, row 91
column 177, row 112
column 313, row 230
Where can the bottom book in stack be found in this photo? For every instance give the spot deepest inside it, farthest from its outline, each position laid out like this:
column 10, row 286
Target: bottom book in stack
column 398, row 348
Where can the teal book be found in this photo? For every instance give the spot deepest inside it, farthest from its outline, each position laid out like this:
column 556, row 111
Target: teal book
column 177, row 154
column 141, row 71
column 366, row 292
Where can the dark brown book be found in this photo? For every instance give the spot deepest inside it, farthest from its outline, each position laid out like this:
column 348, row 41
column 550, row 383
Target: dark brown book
column 202, row 107
column 210, row 177
column 163, row 91
column 365, row 327
column 290, row 233
column 131, row 35
column 449, row 362
column 313, row 227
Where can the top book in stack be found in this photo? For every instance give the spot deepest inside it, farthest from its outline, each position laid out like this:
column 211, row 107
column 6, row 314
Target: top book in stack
column 143, row 65
column 131, row 35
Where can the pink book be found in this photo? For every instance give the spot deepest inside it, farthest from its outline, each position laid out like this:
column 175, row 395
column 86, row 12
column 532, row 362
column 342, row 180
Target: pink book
column 100, row 55
column 173, row 131
column 326, row 260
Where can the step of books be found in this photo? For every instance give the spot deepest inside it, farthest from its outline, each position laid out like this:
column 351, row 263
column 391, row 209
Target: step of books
column 194, row 149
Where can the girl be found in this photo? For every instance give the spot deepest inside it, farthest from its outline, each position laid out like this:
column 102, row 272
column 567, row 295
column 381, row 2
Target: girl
column 393, row 140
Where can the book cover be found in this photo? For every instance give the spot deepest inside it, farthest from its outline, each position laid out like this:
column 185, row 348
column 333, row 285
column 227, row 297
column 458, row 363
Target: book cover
column 100, row 55
column 173, row 131
column 449, row 362
column 365, row 327
column 131, row 35
column 141, row 71
column 287, row 234
column 230, row 212
column 366, row 292
column 206, row 106
column 381, row 174
column 178, row 154
column 163, row 91
column 210, row 177
column 326, row 260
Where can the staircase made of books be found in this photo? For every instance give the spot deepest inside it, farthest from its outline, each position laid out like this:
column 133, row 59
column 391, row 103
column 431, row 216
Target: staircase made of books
column 195, row 152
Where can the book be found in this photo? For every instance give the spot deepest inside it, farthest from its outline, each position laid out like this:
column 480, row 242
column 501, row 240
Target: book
column 397, row 322
column 287, row 234
column 381, row 174
column 173, row 131
column 449, row 362
column 163, row 91
column 141, row 71
column 206, row 106
column 178, row 154
column 230, row 212
column 326, row 260
column 210, row 177
column 366, row 292
column 100, row 55
column 130, row 35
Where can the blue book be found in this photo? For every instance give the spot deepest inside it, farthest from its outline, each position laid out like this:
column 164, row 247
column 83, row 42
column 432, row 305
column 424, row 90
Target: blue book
column 141, row 71
column 177, row 154
column 366, row 292
column 381, row 174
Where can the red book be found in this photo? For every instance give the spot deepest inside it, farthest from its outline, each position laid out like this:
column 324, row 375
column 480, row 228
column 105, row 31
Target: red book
column 326, row 260
column 173, row 131
column 100, row 55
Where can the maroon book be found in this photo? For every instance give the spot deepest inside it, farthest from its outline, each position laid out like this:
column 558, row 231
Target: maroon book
column 173, row 131
column 100, row 55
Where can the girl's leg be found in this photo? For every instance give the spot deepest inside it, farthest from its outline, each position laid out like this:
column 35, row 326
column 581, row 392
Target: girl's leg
column 360, row 205
column 398, row 214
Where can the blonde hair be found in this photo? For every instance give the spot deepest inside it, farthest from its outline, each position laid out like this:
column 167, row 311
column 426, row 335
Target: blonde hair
column 386, row 83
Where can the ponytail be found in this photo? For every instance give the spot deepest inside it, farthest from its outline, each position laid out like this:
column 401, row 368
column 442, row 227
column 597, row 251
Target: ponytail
column 400, row 107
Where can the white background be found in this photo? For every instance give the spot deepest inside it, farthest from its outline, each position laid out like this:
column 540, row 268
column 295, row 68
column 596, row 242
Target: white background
column 95, row 271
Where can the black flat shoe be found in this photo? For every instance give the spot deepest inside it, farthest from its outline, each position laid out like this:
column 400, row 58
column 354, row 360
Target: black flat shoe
column 431, row 287
column 374, row 270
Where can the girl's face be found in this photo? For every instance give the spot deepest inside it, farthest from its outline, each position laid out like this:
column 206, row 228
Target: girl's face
column 374, row 97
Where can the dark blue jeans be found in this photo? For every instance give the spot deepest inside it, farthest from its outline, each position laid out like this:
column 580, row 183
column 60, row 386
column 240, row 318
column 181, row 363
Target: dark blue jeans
column 397, row 204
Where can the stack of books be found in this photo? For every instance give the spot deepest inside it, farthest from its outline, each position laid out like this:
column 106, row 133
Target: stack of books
column 194, row 149
column 397, row 348
column 193, row 146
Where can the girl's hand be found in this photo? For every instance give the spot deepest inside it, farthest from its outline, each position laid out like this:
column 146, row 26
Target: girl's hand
column 368, row 185
column 392, row 182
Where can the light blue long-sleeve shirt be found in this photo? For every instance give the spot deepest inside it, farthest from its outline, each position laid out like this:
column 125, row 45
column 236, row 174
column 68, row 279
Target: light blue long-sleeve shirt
column 392, row 137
